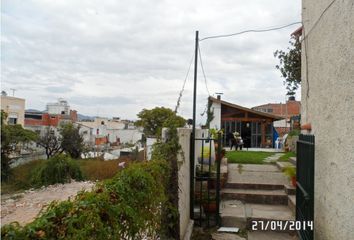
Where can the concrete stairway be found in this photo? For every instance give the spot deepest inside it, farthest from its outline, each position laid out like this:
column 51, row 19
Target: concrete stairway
column 257, row 193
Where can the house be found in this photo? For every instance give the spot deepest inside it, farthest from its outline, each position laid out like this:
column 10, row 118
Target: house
column 255, row 127
column 327, row 112
column 55, row 115
column 289, row 111
column 15, row 109
column 113, row 131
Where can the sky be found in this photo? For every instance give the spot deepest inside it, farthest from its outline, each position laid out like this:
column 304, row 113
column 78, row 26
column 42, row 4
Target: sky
column 115, row 58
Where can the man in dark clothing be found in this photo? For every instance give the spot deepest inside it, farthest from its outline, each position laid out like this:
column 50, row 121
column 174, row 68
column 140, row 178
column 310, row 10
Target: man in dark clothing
column 231, row 140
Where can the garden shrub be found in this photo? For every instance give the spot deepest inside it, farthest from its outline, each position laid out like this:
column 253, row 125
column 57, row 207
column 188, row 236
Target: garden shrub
column 129, row 206
column 58, row 169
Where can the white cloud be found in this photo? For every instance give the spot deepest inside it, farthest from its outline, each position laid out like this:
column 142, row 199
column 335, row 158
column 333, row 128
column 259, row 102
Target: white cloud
column 118, row 57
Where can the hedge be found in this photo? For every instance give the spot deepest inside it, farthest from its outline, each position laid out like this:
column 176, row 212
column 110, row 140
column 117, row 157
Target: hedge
column 129, row 206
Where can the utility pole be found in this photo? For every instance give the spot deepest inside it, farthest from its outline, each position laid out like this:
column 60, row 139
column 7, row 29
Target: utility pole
column 192, row 153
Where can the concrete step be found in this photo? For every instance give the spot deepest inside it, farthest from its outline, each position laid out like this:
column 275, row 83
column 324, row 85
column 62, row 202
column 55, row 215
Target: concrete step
column 289, row 189
column 271, row 236
column 292, row 160
column 277, row 197
column 234, row 213
column 269, row 214
column 226, row 236
column 292, row 203
column 260, row 186
column 283, row 165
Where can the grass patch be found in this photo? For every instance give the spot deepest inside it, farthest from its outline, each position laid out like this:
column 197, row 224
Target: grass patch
column 286, row 156
column 97, row 169
column 20, row 179
column 247, row 157
column 92, row 169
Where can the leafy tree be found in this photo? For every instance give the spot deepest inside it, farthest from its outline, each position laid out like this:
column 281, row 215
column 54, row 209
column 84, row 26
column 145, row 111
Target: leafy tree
column 155, row 119
column 290, row 65
column 72, row 141
column 50, row 142
column 11, row 137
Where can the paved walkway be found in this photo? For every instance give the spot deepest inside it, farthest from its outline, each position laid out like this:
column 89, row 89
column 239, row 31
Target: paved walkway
column 24, row 207
column 255, row 174
column 273, row 158
column 258, row 149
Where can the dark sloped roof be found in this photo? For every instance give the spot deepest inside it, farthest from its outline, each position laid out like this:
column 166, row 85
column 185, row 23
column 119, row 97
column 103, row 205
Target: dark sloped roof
column 232, row 105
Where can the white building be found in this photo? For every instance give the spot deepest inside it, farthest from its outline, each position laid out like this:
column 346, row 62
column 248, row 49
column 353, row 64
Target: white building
column 15, row 109
column 116, row 131
column 60, row 107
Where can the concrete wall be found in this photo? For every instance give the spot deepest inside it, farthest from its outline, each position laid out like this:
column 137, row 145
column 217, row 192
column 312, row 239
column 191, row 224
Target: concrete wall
column 14, row 107
column 184, row 183
column 216, row 122
column 129, row 135
column 149, row 144
column 327, row 92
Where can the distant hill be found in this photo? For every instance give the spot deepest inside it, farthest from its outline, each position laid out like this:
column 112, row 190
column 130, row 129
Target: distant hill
column 82, row 117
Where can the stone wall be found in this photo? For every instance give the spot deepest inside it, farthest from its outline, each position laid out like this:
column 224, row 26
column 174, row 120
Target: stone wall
column 327, row 92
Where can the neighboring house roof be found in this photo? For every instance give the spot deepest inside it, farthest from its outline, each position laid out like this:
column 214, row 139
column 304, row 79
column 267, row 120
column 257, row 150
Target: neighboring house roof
column 83, row 125
column 245, row 109
column 290, row 108
column 297, row 32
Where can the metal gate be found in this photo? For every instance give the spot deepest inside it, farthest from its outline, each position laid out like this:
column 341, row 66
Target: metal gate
column 305, row 184
column 205, row 183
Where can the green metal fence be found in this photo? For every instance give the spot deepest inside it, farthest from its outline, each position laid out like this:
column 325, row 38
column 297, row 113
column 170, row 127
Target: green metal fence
column 305, row 184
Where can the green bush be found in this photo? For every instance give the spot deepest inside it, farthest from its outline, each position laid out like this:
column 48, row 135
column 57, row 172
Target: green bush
column 58, row 169
column 294, row 132
column 129, row 206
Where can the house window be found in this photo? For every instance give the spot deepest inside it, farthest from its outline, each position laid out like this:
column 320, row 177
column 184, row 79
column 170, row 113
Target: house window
column 62, row 112
column 102, row 123
column 270, row 110
column 12, row 121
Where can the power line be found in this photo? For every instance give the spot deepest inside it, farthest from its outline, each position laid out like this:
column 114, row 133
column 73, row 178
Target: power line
column 318, row 20
column 184, row 84
column 251, row 30
column 201, row 64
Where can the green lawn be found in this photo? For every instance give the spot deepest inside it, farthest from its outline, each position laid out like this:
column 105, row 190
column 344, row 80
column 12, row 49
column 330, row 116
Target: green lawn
column 286, row 156
column 247, row 157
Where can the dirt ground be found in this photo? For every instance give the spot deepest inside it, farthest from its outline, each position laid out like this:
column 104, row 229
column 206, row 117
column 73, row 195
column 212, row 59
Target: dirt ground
column 24, row 207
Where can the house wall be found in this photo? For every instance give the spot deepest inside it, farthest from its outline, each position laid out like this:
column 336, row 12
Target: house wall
column 129, row 135
column 14, row 107
column 327, row 92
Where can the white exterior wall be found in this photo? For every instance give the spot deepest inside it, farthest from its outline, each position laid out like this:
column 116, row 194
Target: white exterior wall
column 58, row 107
column 186, row 224
column 87, row 134
column 14, row 107
column 129, row 135
column 149, row 143
column 216, row 122
column 327, row 96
